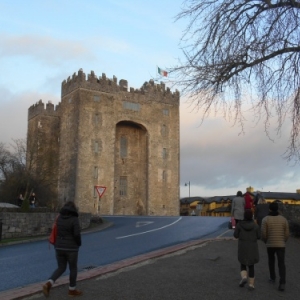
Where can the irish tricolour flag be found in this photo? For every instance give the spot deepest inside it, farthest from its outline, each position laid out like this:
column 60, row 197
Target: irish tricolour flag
column 162, row 72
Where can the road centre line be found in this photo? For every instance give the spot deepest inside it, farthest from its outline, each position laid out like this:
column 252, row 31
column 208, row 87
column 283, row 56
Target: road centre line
column 126, row 236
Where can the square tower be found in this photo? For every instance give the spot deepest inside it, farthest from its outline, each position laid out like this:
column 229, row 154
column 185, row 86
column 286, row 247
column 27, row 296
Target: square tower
column 126, row 140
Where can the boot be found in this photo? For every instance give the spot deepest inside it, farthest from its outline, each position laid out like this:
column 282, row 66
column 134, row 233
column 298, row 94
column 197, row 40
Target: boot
column 74, row 293
column 244, row 278
column 251, row 284
column 46, row 288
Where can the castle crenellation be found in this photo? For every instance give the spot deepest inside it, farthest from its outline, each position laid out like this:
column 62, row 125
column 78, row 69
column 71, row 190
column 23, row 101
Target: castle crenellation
column 104, row 84
column 39, row 109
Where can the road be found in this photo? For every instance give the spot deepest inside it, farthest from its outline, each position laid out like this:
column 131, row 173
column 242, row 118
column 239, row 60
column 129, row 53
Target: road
column 28, row 263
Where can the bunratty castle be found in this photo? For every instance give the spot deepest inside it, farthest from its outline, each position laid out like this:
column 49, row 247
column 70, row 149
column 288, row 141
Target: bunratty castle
column 102, row 134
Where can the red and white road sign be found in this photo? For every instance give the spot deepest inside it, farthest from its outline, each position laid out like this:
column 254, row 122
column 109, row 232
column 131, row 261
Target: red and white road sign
column 100, row 190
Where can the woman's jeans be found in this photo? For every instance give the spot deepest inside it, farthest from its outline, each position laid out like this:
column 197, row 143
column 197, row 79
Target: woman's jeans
column 280, row 252
column 63, row 258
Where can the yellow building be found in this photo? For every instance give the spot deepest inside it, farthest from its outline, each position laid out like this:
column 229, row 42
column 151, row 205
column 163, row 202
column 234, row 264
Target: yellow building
column 220, row 206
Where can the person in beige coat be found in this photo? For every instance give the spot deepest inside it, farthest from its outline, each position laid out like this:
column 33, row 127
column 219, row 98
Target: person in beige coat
column 275, row 233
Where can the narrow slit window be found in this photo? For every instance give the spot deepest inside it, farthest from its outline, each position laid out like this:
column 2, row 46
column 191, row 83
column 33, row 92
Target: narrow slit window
column 96, row 119
column 164, row 175
column 96, row 146
column 165, row 112
column 164, row 153
column 123, row 146
column 164, row 130
column 95, row 172
column 123, row 186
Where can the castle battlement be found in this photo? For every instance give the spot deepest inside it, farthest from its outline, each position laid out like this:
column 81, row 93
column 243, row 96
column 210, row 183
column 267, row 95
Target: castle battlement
column 39, row 108
column 151, row 90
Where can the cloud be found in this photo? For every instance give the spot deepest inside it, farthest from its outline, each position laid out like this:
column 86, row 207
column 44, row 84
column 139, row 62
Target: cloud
column 13, row 113
column 216, row 158
column 43, row 48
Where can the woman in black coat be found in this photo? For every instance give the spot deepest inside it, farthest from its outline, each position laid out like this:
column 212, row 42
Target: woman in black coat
column 67, row 245
column 248, row 232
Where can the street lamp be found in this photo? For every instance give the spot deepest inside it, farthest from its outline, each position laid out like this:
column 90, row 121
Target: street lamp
column 188, row 184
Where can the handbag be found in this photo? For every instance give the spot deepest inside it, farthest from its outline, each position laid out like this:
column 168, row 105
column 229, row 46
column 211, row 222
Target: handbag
column 53, row 234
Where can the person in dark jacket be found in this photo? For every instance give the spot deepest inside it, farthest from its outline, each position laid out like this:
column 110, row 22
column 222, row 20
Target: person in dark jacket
column 67, row 246
column 32, row 200
column 248, row 232
column 261, row 210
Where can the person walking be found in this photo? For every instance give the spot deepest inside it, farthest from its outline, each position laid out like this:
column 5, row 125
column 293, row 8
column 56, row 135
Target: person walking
column 261, row 210
column 248, row 201
column 247, row 232
column 275, row 233
column 20, row 200
column 238, row 207
column 67, row 246
column 32, row 200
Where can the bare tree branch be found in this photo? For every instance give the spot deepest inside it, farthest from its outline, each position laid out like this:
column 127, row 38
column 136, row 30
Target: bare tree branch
column 235, row 48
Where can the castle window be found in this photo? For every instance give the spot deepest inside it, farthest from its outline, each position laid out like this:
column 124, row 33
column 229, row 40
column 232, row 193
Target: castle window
column 96, row 98
column 95, row 192
column 123, row 186
column 165, row 112
column 163, row 130
column 123, row 146
column 96, row 119
column 95, row 172
column 70, row 100
column 164, row 175
column 131, row 106
column 164, row 153
column 96, row 146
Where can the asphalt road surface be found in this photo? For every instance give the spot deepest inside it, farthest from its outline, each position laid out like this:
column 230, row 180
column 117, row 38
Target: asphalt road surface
column 28, row 263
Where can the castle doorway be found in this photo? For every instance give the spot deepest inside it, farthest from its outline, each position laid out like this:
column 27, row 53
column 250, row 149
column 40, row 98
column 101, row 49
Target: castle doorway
column 131, row 169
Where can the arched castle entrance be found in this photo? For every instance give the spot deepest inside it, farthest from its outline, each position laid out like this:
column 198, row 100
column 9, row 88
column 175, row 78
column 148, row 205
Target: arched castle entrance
column 131, row 169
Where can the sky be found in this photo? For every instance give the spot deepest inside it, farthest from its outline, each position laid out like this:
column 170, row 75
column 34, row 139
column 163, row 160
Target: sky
column 44, row 42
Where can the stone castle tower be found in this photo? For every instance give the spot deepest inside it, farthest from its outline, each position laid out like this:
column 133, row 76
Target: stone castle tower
column 103, row 134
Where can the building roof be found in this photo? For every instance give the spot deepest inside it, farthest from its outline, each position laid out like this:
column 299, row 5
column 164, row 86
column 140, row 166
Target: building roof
column 190, row 200
column 280, row 195
column 218, row 199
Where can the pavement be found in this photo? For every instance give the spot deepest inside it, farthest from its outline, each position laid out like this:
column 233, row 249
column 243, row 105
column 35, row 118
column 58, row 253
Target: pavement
column 206, row 269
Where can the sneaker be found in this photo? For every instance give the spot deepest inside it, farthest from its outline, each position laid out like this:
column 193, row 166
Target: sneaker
column 281, row 287
column 74, row 293
column 46, row 289
column 271, row 280
column 250, row 287
column 243, row 282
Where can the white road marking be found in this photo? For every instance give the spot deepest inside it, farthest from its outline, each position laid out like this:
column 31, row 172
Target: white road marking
column 126, row 236
column 224, row 232
column 141, row 224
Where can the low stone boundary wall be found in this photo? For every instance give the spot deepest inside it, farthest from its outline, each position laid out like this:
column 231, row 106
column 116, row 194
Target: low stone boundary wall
column 21, row 224
column 290, row 211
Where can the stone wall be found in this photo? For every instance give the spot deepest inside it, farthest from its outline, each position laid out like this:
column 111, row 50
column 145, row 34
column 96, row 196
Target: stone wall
column 290, row 211
column 18, row 224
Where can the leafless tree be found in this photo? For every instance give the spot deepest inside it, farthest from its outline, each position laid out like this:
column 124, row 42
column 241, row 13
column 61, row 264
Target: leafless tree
column 21, row 173
column 236, row 50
